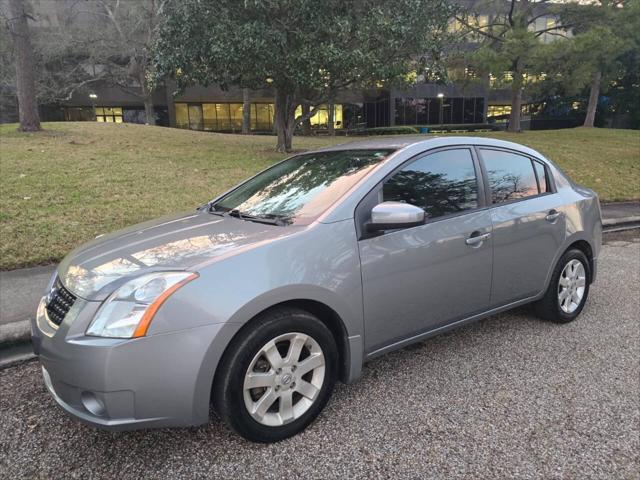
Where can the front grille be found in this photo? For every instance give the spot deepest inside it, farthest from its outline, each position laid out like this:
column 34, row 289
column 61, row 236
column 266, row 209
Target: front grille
column 60, row 300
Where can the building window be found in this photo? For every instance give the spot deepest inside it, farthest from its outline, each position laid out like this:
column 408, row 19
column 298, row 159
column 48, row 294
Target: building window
column 79, row 114
column 320, row 120
column 195, row 117
column 353, row 115
column 235, row 116
column 109, row 114
column 433, row 111
column 498, row 111
column 134, row 115
column 544, row 23
column 182, row 115
column 262, row 116
column 210, row 118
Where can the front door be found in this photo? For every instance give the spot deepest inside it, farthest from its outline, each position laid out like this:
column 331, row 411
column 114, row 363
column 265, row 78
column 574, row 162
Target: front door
column 417, row 279
column 528, row 224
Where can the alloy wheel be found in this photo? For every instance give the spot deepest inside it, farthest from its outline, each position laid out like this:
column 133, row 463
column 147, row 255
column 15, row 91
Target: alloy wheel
column 284, row 379
column 571, row 286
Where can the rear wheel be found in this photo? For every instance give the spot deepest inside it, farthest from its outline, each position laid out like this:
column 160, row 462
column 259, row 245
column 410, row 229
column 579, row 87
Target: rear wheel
column 568, row 290
column 276, row 376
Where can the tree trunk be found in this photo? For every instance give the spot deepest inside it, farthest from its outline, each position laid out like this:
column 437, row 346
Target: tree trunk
column 285, row 120
column 306, row 123
column 147, row 100
column 331, row 118
column 150, row 117
column 516, row 103
column 25, row 71
column 246, row 111
column 593, row 99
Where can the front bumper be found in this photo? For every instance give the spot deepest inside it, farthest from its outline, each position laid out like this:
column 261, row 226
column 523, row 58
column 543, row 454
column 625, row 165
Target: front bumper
column 161, row 380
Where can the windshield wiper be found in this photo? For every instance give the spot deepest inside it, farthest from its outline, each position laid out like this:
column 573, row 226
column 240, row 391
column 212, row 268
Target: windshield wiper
column 271, row 220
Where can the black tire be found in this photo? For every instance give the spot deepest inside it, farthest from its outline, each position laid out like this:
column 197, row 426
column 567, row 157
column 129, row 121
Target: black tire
column 228, row 394
column 548, row 307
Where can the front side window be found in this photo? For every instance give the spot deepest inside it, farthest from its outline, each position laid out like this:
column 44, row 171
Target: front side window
column 301, row 188
column 441, row 183
column 511, row 176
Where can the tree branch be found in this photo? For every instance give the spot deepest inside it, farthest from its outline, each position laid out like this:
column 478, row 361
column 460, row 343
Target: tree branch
column 478, row 30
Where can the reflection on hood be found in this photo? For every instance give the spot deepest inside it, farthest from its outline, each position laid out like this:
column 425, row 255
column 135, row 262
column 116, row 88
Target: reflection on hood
column 170, row 244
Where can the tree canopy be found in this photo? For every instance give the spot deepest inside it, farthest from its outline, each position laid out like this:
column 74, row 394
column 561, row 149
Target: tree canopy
column 304, row 49
column 511, row 46
column 604, row 49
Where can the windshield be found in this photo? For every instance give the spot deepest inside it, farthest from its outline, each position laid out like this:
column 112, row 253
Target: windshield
column 301, row 188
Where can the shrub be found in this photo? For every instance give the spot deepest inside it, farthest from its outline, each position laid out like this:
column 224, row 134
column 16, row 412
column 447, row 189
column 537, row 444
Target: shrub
column 469, row 127
column 398, row 130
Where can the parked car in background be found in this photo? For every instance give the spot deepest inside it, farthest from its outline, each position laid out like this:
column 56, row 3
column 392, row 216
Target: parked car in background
column 263, row 298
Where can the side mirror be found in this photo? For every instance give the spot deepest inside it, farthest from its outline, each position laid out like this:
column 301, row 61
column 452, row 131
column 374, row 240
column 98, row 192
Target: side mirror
column 393, row 215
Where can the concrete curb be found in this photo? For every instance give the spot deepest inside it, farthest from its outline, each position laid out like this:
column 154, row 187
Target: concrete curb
column 14, row 333
column 620, row 221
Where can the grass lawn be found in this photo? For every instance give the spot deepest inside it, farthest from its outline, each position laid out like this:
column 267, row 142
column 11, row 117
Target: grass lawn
column 73, row 181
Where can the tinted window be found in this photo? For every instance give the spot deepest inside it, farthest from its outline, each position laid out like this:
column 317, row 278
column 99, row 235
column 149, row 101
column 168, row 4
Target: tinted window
column 511, row 176
column 441, row 183
column 543, row 181
column 302, row 187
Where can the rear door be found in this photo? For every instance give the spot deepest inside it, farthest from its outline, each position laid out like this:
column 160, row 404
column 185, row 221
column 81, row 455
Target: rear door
column 528, row 223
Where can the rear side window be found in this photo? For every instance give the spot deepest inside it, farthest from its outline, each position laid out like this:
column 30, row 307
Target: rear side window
column 441, row 183
column 543, row 181
column 511, row 176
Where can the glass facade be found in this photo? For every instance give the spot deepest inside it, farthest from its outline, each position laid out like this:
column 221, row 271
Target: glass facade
column 227, row 117
column 223, row 117
column 432, row 111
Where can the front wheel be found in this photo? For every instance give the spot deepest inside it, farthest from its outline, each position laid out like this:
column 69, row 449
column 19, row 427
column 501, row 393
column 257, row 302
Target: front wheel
column 277, row 375
column 568, row 290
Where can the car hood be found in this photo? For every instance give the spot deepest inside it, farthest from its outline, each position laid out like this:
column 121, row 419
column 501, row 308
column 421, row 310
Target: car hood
column 178, row 242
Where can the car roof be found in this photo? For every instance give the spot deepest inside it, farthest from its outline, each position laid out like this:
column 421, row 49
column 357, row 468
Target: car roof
column 405, row 141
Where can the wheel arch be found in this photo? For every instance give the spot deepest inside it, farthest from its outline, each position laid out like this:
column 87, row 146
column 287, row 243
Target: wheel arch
column 325, row 314
column 585, row 248
column 581, row 242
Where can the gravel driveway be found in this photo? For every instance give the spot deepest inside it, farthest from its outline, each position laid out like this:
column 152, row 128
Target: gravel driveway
column 509, row 396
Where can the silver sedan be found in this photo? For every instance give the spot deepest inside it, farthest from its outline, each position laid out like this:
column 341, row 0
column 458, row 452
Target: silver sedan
column 261, row 299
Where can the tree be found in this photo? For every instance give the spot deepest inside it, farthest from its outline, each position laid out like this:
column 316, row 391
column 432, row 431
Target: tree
column 123, row 49
column 606, row 37
column 511, row 48
column 24, row 66
column 304, row 49
column 103, row 41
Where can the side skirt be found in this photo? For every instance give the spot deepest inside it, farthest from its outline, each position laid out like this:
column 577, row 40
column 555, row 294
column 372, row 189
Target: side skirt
column 445, row 328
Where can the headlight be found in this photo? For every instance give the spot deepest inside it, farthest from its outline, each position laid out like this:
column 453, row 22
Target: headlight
column 129, row 310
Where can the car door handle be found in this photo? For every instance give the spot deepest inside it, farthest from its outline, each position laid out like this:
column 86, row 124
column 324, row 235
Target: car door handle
column 475, row 239
column 552, row 216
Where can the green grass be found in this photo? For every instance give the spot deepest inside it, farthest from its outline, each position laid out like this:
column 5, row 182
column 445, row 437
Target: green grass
column 73, row 181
